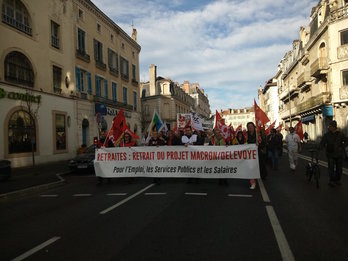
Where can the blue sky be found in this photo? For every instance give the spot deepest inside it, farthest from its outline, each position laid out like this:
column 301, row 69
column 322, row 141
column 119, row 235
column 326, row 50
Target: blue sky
column 229, row 47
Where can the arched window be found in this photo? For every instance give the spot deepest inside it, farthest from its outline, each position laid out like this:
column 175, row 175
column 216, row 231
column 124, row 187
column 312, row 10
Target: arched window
column 18, row 69
column 16, row 15
column 21, row 133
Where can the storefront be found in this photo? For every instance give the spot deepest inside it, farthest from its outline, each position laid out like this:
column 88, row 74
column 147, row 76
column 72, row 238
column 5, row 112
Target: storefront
column 35, row 124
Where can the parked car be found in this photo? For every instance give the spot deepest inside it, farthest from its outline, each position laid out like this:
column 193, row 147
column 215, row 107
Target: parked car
column 5, row 170
column 83, row 162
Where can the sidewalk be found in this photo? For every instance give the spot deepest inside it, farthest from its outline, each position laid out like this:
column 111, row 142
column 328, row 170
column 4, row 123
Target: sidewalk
column 26, row 180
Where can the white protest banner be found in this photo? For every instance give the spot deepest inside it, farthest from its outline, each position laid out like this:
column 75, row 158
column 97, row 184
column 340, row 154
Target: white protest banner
column 182, row 119
column 238, row 161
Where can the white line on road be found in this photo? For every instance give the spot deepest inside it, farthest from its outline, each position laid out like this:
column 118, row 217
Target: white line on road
column 196, row 194
column 156, row 194
column 240, row 195
column 283, row 245
column 116, row 194
column 125, row 200
column 263, row 191
column 36, row 249
column 49, row 196
column 82, row 195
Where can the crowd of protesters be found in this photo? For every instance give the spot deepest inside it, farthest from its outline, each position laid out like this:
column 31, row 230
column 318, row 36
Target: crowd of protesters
column 269, row 148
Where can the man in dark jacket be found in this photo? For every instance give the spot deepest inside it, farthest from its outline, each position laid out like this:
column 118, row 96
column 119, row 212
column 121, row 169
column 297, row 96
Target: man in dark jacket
column 334, row 142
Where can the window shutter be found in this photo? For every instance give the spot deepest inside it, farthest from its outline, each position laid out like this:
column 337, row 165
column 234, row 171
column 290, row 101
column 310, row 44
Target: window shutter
column 95, row 49
column 78, row 80
column 89, row 83
column 106, row 88
column 97, row 87
column 110, row 58
column 114, row 94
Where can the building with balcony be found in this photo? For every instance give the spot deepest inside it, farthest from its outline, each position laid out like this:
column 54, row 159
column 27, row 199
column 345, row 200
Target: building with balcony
column 37, row 112
column 236, row 117
column 312, row 78
column 67, row 72
column 106, row 72
column 269, row 101
column 201, row 106
column 164, row 96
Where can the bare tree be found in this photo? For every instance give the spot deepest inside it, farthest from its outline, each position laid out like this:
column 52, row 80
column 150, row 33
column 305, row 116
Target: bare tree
column 32, row 104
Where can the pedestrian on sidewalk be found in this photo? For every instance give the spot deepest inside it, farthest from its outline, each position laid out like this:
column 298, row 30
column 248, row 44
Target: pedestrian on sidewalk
column 294, row 147
column 334, row 142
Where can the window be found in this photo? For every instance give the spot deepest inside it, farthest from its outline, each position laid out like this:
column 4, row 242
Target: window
column 98, row 27
column 81, row 14
column 101, row 87
column 114, row 91
column 113, row 61
column 18, row 69
column 60, row 131
column 81, row 38
column 83, row 81
column 124, row 68
column 57, row 79
column 125, row 95
column 55, row 34
column 344, row 37
column 16, row 15
column 98, row 51
column 112, row 38
column 122, row 45
column 345, row 78
column 21, row 133
column 134, row 72
column 135, row 101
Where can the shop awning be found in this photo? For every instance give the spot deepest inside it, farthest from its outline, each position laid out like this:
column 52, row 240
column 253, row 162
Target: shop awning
column 308, row 118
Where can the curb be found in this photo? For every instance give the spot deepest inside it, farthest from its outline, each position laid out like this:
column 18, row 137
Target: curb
column 35, row 189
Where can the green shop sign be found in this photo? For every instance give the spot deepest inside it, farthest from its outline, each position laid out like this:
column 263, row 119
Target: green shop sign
column 20, row 96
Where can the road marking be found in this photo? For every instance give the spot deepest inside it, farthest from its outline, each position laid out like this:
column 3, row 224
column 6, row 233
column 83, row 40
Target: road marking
column 49, row 196
column 196, row 194
column 82, row 195
column 263, row 191
column 240, row 195
column 36, row 249
column 116, row 194
column 283, row 245
column 125, row 200
column 156, row 194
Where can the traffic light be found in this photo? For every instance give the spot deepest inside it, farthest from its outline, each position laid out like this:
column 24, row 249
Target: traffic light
column 95, row 141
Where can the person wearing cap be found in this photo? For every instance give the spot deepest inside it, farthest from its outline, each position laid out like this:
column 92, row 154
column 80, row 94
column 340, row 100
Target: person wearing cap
column 294, row 147
column 334, row 142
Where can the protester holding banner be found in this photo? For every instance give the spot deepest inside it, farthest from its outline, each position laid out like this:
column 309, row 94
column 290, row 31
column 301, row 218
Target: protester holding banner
column 219, row 141
column 240, row 139
column 173, row 139
column 252, row 139
column 103, row 141
column 188, row 138
column 155, row 141
column 200, row 137
column 127, row 140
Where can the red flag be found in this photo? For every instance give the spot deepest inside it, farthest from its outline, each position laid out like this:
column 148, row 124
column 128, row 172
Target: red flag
column 268, row 130
column 133, row 135
column 232, row 134
column 280, row 127
column 175, row 128
column 118, row 127
column 220, row 124
column 299, row 130
column 260, row 117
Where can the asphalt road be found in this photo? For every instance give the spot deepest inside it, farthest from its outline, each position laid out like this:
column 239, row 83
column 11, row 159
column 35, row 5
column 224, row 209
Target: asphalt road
column 283, row 219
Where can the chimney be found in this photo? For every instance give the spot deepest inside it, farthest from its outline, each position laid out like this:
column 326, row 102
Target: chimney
column 186, row 86
column 152, row 80
column 135, row 35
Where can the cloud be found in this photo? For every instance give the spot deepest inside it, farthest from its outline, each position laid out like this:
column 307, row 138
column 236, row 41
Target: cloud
column 229, row 47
